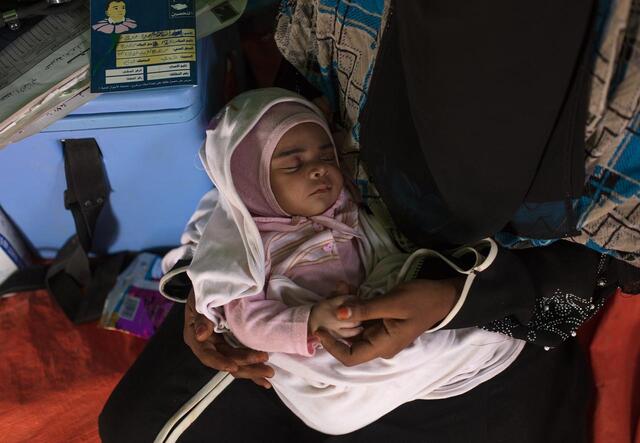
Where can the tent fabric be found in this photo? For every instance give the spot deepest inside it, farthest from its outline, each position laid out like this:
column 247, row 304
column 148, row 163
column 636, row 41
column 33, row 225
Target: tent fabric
column 56, row 376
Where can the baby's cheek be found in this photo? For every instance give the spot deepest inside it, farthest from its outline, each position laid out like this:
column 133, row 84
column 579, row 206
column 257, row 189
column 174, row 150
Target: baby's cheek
column 337, row 178
column 291, row 190
column 276, row 188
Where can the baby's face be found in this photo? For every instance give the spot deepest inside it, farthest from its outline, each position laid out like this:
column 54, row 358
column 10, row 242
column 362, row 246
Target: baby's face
column 305, row 177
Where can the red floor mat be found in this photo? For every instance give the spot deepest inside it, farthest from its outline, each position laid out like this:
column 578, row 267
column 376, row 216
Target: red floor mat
column 55, row 376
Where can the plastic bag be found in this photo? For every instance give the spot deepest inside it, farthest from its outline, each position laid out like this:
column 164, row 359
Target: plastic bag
column 135, row 304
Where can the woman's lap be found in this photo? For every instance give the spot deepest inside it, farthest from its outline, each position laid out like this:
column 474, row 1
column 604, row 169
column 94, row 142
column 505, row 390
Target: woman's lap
column 542, row 397
column 165, row 376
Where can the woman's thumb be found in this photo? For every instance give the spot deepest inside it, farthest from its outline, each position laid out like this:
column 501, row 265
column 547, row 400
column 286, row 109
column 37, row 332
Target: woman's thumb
column 203, row 328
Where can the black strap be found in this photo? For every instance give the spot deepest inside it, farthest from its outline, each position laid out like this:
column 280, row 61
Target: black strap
column 78, row 284
column 87, row 187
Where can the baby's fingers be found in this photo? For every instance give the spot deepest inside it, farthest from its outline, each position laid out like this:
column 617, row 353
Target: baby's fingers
column 346, row 324
column 349, row 332
column 344, row 288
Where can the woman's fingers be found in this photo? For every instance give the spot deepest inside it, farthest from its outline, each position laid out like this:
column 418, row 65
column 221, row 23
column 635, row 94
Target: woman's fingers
column 242, row 357
column 262, row 382
column 213, row 351
column 380, row 340
column 256, row 371
column 209, row 356
column 359, row 352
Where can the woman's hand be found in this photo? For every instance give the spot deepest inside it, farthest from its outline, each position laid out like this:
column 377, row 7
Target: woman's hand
column 213, row 351
column 399, row 317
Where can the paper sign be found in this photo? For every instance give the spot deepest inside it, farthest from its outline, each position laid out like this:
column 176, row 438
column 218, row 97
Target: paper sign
column 138, row 45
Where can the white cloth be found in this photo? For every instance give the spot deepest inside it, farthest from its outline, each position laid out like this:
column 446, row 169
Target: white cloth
column 229, row 263
column 336, row 399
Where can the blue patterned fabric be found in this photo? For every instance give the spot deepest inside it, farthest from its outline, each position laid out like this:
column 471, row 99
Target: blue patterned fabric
column 334, row 62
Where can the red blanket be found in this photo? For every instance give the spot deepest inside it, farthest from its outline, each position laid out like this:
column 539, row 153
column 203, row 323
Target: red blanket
column 615, row 358
column 55, row 376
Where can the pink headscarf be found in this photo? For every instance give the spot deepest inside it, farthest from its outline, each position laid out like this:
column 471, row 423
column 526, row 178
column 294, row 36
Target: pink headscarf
column 251, row 166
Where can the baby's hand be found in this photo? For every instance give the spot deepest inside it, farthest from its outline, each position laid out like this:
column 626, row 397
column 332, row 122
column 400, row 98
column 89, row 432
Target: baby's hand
column 323, row 316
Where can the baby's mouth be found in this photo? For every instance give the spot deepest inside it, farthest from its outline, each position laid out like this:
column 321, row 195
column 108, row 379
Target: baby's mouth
column 321, row 190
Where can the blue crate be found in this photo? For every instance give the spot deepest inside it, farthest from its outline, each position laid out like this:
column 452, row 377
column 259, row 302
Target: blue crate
column 150, row 141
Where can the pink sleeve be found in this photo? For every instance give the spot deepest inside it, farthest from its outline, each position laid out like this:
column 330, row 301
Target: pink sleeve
column 270, row 325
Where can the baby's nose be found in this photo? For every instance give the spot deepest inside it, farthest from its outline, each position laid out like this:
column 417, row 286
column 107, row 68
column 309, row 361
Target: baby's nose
column 318, row 170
